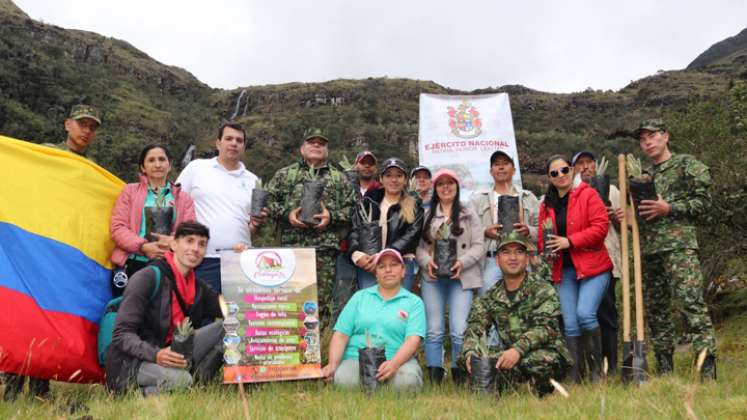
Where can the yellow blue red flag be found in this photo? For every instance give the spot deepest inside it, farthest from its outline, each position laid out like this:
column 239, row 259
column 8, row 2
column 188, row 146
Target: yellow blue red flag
column 55, row 245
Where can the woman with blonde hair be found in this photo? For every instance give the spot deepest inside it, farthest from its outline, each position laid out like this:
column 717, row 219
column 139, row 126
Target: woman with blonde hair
column 398, row 214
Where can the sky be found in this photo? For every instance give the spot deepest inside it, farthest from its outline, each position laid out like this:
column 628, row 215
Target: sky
column 554, row 46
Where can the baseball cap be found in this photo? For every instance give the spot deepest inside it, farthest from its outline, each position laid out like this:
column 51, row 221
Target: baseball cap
column 513, row 237
column 418, row 169
column 388, row 251
column 359, row 157
column 499, row 153
column 85, row 111
column 580, row 154
column 652, row 124
column 314, row 132
column 445, row 172
column 394, row 162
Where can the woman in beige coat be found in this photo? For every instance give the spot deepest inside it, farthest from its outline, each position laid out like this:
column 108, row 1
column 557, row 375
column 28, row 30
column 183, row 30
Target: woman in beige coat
column 447, row 218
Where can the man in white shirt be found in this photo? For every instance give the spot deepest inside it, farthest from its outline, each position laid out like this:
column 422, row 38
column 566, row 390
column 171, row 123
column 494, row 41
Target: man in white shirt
column 221, row 188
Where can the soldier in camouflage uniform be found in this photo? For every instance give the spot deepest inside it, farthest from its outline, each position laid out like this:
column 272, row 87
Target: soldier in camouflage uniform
column 670, row 247
column 525, row 310
column 81, row 128
column 286, row 190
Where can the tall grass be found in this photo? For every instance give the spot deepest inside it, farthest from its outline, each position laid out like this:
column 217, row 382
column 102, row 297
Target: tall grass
column 676, row 396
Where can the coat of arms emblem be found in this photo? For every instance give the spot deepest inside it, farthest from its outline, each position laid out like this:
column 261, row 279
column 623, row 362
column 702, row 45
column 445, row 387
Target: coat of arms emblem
column 464, row 120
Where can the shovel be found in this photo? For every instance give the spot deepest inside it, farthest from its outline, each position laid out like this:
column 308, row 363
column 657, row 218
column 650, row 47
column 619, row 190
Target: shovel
column 627, row 361
column 640, row 367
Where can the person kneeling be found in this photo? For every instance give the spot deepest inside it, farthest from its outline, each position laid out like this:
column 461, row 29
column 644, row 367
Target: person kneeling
column 149, row 314
column 525, row 311
column 389, row 316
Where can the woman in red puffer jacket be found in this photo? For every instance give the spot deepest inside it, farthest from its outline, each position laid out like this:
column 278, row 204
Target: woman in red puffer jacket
column 581, row 265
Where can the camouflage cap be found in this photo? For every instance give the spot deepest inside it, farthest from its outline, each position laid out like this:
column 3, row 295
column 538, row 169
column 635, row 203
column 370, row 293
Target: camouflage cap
column 513, row 237
column 311, row 133
column 85, row 111
column 653, row 124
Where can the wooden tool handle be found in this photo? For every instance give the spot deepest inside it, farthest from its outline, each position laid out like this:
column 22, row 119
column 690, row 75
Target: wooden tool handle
column 638, row 274
column 624, row 263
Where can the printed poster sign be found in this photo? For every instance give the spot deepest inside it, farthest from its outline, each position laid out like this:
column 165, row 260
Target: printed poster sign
column 272, row 327
column 461, row 132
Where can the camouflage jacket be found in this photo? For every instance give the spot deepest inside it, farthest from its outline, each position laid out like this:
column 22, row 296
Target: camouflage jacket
column 286, row 190
column 528, row 321
column 63, row 146
column 683, row 182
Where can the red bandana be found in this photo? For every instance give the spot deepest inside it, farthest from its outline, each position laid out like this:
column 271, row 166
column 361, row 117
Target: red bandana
column 186, row 288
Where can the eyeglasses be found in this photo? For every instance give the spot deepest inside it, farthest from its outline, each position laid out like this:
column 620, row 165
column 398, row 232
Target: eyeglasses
column 564, row 170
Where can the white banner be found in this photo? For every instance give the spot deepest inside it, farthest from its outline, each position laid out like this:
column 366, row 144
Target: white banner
column 461, row 132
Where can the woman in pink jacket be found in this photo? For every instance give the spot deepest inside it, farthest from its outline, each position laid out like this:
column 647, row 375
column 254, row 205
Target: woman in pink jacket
column 146, row 214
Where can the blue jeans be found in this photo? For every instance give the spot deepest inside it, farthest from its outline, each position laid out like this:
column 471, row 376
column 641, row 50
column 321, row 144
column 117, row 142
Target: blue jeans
column 436, row 295
column 491, row 275
column 579, row 301
column 366, row 279
column 209, row 272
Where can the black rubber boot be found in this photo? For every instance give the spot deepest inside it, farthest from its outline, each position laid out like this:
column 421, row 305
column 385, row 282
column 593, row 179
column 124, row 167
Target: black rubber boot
column 708, row 370
column 436, row 374
column 38, row 387
column 13, row 386
column 664, row 363
column 592, row 345
column 574, row 347
column 609, row 344
column 458, row 376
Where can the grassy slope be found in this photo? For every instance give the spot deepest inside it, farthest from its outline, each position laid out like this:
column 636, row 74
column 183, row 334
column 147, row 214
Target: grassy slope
column 660, row 398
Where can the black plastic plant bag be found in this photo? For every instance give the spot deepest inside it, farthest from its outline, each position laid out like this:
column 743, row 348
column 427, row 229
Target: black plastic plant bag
column 444, row 256
column 546, row 251
column 159, row 220
column 353, row 177
column 483, row 373
column 259, row 201
column 183, row 345
column 601, row 183
column 311, row 201
column 642, row 190
column 508, row 212
column 369, row 238
column 369, row 360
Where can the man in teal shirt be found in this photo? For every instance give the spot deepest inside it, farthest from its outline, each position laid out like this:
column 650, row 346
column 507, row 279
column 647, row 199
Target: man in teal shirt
column 388, row 316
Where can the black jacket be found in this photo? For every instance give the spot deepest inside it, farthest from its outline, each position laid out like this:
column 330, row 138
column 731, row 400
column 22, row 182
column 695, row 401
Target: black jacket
column 402, row 236
column 142, row 324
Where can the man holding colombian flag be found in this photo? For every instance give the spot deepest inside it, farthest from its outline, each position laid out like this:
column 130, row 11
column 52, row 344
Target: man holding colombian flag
column 55, row 208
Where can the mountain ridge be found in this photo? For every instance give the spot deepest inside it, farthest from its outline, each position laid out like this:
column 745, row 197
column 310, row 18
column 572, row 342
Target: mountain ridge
column 47, row 69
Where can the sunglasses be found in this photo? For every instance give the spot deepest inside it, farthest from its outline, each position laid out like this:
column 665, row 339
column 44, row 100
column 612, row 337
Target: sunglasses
column 564, row 170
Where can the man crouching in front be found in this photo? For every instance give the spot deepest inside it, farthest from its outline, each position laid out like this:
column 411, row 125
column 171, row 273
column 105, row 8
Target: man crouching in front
column 156, row 301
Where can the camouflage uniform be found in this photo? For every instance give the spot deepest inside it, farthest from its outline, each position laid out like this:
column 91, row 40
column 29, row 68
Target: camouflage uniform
column 528, row 322
column 286, row 190
column 63, row 146
column 76, row 113
column 669, row 246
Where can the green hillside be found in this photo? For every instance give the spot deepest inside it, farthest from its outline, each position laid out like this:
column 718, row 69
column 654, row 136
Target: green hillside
column 46, row 69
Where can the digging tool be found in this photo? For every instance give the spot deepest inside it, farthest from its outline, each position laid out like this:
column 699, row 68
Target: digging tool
column 627, row 361
column 640, row 367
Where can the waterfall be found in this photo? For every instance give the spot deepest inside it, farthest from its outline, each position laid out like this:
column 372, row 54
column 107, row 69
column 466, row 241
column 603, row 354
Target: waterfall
column 238, row 104
column 188, row 156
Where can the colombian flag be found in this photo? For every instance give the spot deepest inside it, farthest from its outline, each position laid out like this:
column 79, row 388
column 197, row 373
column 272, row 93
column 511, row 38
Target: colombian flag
column 55, row 208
